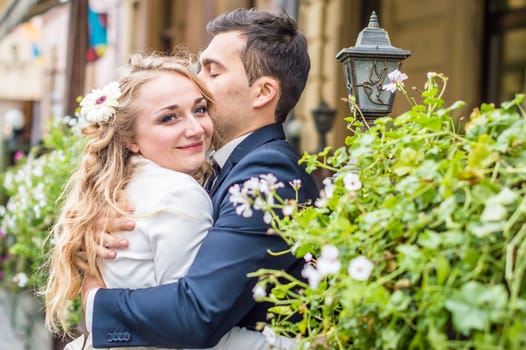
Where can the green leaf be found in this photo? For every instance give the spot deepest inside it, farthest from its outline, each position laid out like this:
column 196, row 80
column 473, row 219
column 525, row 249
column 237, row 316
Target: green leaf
column 443, row 269
column 280, row 310
column 466, row 317
column 410, row 256
column 515, row 102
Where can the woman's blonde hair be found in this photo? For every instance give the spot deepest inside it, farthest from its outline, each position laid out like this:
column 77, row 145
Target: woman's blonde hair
column 95, row 192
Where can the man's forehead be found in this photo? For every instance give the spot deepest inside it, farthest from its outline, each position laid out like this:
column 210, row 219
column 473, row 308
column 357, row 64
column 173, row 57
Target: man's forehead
column 221, row 48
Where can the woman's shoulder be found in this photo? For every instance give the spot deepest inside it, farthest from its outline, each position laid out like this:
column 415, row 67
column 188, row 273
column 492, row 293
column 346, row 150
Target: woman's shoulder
column 148, row 172
column 152, row 183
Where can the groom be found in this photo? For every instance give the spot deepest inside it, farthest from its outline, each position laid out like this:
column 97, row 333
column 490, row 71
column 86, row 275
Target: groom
column 256, row 67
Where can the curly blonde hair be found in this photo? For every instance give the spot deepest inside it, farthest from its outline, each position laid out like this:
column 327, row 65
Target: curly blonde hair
column 95, row 192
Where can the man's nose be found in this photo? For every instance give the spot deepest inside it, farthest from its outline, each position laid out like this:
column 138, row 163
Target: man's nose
column 203, row 77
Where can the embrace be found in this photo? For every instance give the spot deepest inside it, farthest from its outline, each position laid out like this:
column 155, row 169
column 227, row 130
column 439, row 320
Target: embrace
column 174, row 273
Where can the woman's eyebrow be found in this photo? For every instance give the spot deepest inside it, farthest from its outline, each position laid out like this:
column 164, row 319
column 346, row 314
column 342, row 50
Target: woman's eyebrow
column 170, row 107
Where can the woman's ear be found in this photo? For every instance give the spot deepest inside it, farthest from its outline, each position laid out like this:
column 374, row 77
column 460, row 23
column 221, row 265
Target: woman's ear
column 266, row 90
column 133, row 147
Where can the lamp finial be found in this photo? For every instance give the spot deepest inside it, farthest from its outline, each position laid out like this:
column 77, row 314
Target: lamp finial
column 373, row 21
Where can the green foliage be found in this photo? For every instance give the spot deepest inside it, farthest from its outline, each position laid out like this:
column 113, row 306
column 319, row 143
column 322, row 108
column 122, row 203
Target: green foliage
column 442, row 217
column 32, row 188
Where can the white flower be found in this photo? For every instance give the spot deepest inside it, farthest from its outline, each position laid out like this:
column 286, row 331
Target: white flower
column 20, row 279
column 312, row 275
column 307, row 257
column 329, row 252
column 360, row 268
column 259, row 292
column 321, row 202
column 38, row 171
column 391, row 87
column 269, row 183
column 431, row 75
column 328, row 262
column 251, row 185
column 267, row 218
column 259, row 204
column 289, row 208
column 326, row 193
column 98, row 106
column 270, row 335
column 329, row 188
column 396, row 77
column 352, row 182
column 36, row 210
column 295, row 184
column 240, row 200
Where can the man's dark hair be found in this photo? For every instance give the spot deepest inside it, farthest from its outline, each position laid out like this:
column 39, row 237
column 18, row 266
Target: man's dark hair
column 274, row 48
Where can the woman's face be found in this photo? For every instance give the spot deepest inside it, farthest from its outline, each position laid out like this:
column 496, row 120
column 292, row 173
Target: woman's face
column 172, row 127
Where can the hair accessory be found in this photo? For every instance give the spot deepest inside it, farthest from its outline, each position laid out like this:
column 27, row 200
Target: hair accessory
column 98, row 106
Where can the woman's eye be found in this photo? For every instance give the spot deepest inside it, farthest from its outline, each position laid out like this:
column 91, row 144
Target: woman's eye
column 201, row 110
column 168, row 118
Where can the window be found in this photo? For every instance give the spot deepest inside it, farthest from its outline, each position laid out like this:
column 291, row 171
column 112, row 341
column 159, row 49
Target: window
column 505, row 53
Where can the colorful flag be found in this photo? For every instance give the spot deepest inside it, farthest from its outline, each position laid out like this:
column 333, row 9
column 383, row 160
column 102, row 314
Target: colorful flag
column 98, row 34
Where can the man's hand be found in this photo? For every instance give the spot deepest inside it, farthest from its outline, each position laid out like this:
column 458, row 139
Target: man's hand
column 108, row 243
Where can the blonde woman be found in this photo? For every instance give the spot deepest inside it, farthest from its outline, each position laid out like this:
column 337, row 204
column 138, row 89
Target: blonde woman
column 148, row 137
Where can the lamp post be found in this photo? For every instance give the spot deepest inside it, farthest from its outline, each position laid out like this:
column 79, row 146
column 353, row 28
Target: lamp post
column 366, row 67
column 323, row 117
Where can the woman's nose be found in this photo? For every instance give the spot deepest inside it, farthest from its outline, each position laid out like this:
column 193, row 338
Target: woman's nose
column 194, row 128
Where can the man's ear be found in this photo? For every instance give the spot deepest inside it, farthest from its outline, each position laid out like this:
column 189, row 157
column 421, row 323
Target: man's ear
column 266, row 90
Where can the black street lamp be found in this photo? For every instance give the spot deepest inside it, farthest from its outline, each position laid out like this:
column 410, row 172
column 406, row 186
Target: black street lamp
column 323, row 117
column 366, row 67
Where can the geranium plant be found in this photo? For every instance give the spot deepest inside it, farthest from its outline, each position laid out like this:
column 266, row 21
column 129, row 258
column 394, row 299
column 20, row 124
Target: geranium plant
column 417, row 240
column 31, row 189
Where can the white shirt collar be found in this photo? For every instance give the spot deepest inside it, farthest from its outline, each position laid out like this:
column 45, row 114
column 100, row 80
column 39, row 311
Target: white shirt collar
column 222, row 154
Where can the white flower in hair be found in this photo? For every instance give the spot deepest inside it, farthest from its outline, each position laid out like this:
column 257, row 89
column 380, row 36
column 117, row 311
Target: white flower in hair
column 99, row 105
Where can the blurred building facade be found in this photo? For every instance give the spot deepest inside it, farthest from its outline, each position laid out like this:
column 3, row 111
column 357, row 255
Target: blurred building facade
column 47, row 57
column 52, row 51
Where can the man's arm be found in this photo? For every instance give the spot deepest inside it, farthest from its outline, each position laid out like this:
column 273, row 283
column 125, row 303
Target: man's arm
column 216, row 294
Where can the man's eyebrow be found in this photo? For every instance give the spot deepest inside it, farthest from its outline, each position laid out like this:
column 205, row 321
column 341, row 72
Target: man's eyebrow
column 208, row 61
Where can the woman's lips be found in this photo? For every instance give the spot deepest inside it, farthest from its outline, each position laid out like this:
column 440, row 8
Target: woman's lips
column 190, row 146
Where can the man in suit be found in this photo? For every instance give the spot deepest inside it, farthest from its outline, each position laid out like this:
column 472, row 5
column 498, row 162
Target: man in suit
column 256, row 67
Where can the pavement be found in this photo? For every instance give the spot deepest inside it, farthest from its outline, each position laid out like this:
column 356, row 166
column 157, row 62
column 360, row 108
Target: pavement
column 21, row 323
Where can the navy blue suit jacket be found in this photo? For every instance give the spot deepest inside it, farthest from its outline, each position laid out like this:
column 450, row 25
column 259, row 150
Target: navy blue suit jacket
column 216, row 294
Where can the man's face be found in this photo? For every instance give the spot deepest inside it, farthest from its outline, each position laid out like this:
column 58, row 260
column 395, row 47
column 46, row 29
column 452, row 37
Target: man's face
column 224, row 75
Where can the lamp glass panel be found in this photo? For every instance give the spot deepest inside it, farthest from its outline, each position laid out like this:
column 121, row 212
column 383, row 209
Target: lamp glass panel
column 371, row 75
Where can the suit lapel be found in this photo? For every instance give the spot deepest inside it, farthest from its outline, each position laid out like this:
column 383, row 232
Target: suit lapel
column 256, row 139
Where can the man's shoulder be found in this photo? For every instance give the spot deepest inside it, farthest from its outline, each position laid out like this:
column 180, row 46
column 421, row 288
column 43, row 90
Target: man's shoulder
column 277, row 148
